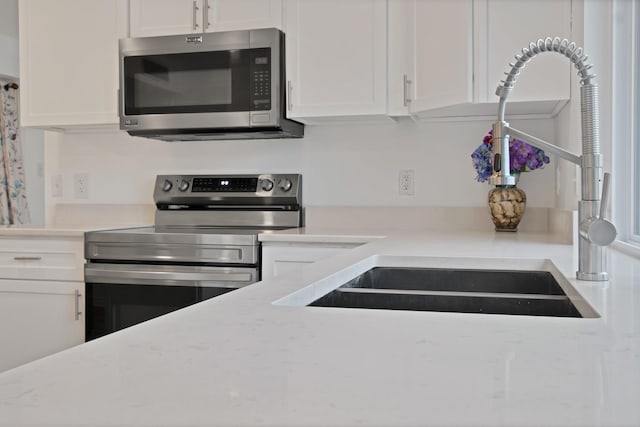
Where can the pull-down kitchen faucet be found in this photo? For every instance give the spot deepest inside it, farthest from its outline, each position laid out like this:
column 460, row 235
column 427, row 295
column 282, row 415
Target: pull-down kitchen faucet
column 595, row 232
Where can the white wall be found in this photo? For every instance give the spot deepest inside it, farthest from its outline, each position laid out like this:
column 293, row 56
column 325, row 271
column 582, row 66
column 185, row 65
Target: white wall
column 342, row 165
column 9, row 38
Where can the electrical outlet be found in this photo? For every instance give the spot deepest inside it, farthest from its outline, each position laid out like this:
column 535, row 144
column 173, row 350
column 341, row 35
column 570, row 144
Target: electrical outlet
column 81, row 186
column 406, row 182
column 56, row 185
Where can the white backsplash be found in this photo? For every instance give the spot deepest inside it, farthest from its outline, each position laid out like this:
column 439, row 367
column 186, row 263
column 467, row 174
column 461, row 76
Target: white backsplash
column 342, row 165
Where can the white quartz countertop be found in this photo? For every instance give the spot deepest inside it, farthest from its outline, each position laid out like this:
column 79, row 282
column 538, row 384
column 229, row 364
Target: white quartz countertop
column 42, row 231
column 56, row 230
column 322, row 235
column 240, row 360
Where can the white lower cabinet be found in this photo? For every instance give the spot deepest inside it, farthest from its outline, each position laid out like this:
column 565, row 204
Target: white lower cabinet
column 39, row 318
column 284, row 258
column 42, row 296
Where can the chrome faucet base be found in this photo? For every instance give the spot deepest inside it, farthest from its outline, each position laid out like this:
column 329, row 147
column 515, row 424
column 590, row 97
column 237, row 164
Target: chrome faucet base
column 592, row 277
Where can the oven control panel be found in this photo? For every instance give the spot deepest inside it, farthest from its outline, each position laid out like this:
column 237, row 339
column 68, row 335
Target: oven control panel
column 228, row 185
column 211, row 188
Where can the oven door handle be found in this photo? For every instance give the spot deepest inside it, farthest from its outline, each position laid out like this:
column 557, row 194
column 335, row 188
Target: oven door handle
column 219, row 277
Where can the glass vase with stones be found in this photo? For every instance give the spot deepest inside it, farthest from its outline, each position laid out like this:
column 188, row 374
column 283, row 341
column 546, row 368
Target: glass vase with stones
column 506, row 205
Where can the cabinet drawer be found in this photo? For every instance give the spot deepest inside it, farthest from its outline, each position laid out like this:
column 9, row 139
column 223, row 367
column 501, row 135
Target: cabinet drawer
column 41, row 258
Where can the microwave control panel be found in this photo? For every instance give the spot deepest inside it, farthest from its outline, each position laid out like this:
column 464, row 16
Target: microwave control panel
column 261, row 79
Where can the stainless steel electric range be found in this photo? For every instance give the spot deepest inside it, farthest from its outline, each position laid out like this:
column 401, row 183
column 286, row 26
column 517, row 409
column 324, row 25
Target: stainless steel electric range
column 204, row 243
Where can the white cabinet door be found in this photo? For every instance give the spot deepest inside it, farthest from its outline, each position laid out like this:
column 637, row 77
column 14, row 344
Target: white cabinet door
column 456, row 52
column 166, row 17
column 336, row 58
column 507, row 27
column 431, row 59
column 228, row 15
column 443, row 46
column 279, row 259
column 69, row 62
column 39, row 318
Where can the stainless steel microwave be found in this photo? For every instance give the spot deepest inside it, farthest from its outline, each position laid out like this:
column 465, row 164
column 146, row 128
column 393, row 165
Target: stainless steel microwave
column 225, row 85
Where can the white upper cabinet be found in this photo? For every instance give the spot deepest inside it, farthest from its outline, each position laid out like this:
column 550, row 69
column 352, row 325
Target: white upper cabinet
column 345, row 59
column 443, row 68
column 507, row 26
column 166, row 17
column 336, row 58
column 455, row 53
column 225, row 15
column 158, row 18
column 69, row 62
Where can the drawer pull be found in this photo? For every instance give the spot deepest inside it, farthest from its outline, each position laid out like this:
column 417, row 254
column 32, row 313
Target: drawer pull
column 27, row 258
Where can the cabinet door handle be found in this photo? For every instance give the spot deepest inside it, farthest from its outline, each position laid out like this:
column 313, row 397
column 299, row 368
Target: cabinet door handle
column 289, row 93
column 407, row 98
column 205, row 15
column 27, row 258
column 78, row 295
column 195, row 15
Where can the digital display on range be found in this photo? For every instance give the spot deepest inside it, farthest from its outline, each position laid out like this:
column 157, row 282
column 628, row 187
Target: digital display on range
column 224, row 185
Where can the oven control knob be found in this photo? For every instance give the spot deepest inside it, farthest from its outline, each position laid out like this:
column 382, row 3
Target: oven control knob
column 266, row 185
column 184, row 185
column 284, row 184
column 167, row 185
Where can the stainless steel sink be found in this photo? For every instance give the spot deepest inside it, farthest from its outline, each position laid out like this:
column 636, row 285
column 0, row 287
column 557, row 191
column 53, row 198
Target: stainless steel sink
column 534, row 293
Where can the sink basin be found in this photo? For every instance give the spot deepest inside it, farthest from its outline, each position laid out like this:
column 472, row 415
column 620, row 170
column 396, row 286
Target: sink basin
column 457, row 280
column 533, row 293
column 508, row 286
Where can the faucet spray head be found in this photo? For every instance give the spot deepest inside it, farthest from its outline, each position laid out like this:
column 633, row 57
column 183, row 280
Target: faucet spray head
column 501, row 176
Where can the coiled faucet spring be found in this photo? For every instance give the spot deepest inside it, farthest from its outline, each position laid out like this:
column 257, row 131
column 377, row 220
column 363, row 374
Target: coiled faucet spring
column 588, row 93
column 563, row 46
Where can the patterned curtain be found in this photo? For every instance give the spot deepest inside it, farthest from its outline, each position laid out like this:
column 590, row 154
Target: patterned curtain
column 13, row 197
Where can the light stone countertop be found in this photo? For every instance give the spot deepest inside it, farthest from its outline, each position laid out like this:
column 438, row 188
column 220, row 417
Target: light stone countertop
column 240, row 360
column 322, row 235
column 56, row 230
column 42, row 231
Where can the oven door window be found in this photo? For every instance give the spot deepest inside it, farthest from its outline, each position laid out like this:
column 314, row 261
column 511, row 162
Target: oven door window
column 112, row 307
column 196, row 82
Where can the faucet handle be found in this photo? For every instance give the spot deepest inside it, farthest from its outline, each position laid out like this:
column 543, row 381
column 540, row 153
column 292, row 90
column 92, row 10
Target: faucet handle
column 604, row 200
column 598, row 230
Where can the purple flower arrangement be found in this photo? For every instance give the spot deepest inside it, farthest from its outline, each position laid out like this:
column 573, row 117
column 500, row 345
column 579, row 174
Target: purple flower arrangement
column 523, row 157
